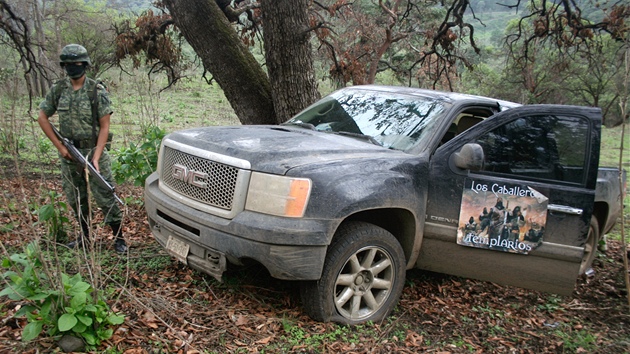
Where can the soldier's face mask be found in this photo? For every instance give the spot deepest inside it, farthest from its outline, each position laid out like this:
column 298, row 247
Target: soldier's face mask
column 75, row 70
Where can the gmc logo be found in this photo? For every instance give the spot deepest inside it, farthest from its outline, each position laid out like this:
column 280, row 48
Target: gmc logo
column 196, row 178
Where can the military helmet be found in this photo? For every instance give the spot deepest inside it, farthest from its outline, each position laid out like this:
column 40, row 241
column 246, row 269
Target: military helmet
column 73, row 53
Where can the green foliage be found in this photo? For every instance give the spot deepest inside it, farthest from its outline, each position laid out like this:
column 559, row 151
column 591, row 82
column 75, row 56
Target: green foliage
column 137, row 162
column 299, row 336
column 551, row 305
column 44, row 146
column 576, row 341
column 485, row 81
column 10, row 141
column 92, row 30
column 70, row 306
column 54, row 216
column 6, row 228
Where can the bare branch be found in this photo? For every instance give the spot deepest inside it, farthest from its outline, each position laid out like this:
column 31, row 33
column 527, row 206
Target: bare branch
column 18, row 33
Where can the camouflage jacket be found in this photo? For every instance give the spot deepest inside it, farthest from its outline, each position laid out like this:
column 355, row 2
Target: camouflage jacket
column 75, row 108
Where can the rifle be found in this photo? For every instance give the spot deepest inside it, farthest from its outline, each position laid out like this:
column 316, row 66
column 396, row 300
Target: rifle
column 77, row 157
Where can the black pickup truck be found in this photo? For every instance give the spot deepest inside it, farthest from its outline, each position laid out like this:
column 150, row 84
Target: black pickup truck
column 371, row 181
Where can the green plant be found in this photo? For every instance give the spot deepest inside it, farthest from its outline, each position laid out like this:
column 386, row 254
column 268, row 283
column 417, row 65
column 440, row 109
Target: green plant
column 576, row 341
column 53, row 215
column 295, row 333
column 460, row 342
column 137, row 162
column 489, row 311
column 44, row 146
column 551, row 305
column 6, row 228
column 168, row 118
column 70, row 306
column 7, row 143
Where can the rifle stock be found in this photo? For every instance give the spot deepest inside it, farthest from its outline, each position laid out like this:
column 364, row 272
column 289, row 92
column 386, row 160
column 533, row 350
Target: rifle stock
column 77, row 157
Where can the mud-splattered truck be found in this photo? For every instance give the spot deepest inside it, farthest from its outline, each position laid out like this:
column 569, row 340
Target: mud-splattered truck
column 371, row 181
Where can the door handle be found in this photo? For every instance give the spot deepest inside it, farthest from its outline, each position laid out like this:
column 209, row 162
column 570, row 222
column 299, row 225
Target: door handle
column 565, row 209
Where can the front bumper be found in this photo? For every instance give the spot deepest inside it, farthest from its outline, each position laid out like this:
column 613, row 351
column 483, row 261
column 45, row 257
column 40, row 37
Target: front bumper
column 291, row 249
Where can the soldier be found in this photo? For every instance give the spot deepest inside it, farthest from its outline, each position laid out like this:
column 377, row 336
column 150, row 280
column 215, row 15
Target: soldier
column 71, row 99
column 499, row 204
column 485, row 218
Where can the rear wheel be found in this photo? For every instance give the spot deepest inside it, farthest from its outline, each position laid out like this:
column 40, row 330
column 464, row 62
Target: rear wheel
column 362, row 279
column 590, row 248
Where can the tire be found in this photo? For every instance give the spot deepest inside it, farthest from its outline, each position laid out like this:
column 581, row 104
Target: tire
column 590, row 248
column 362, row 278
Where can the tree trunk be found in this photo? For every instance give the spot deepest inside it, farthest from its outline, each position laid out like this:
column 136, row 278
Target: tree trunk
column 245, row 84
column 289, row 56
column 29, row 11
column 38, row 18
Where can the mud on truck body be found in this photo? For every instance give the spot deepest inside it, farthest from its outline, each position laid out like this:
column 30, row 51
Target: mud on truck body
column 371, row 181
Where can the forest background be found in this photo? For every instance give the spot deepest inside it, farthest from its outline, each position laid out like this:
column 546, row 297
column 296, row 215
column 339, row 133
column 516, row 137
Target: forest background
column 159, row 83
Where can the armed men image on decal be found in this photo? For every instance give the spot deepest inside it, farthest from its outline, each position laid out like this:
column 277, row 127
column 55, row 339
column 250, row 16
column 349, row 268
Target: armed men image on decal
column 501, row 217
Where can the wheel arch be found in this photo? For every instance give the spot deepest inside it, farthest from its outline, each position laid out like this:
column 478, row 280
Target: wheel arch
column 399, row 222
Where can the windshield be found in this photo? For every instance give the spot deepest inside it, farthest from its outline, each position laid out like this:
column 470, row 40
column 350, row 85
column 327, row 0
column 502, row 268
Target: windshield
column 395, row 121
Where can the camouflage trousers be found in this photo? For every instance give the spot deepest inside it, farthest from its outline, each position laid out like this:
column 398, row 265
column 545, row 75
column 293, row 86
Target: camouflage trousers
column 75, row 187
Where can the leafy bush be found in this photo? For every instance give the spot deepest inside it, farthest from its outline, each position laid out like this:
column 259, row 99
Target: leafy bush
column 137, row 162
column 53, row 215
column 67, row 307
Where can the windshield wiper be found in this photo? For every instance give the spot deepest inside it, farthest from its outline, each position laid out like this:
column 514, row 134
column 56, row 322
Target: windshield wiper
column 360, row 136
column 301, row 124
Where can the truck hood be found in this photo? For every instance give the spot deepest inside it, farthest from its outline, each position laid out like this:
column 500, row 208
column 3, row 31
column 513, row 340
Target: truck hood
column 277, row 149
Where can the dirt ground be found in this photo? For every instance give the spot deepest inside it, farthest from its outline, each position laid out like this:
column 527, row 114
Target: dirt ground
column 170, row 308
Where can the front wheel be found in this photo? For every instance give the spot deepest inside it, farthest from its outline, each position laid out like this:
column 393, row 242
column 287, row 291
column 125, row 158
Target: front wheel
column 362, row 279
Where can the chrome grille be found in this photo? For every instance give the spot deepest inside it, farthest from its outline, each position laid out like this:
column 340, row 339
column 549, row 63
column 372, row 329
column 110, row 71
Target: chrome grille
column 221, row 179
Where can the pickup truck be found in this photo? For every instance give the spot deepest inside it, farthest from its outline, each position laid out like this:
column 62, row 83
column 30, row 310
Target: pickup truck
column 371, row 181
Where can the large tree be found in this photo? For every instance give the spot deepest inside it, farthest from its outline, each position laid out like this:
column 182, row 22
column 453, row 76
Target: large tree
column 289, row 55
column 256, row 97
column 234, row 68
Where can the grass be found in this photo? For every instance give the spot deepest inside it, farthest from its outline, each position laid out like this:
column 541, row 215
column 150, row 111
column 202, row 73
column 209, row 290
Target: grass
column 149, row 259
column 611, row 142
column 609, row 157
column 299, row 337
column 191, row 103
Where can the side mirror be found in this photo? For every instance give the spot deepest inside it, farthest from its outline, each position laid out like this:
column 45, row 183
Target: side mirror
column 470, row 157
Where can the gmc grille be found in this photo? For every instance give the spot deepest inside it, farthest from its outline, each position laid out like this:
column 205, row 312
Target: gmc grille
column 221, row 180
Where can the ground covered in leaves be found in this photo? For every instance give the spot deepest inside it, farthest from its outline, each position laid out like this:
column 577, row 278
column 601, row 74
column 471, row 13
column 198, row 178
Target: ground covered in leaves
column 170, row 308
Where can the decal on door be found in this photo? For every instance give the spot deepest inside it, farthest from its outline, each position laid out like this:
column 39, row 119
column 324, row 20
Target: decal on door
column 501, row 217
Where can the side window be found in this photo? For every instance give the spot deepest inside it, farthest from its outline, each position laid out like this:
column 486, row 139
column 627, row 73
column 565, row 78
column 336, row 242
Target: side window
column 538, row 147
column 466, row 120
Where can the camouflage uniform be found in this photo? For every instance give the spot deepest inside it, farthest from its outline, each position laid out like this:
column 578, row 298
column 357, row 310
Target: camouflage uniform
column 75, row 123
column 72, row 100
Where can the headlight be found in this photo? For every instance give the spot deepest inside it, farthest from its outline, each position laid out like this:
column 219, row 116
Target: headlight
column 278, row 195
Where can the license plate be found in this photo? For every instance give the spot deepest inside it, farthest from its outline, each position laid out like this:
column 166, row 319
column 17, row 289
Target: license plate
column 178, row 249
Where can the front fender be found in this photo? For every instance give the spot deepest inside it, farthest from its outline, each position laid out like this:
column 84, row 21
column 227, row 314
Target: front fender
column 390, row 194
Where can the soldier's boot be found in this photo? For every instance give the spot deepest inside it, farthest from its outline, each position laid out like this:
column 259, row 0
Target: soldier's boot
column 83, row 240
column 120, row 245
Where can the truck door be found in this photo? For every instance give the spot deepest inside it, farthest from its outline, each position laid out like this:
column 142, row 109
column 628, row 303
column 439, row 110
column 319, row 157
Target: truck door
column 510, row 199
